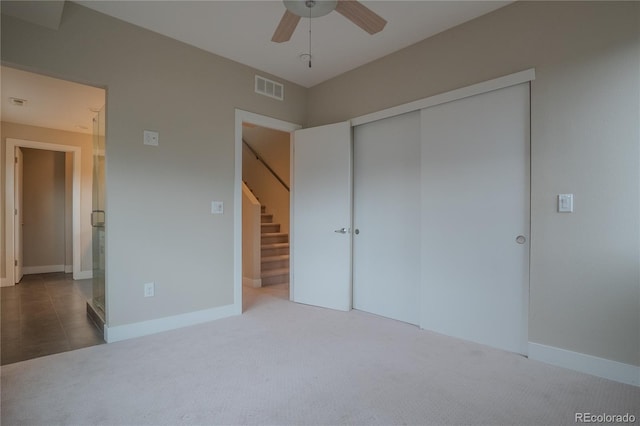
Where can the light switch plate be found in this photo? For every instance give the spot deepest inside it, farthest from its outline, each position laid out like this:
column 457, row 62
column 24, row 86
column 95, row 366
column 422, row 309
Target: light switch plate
column 217, row 207
column 149, row 289
column 565, row 203
column 151, row 138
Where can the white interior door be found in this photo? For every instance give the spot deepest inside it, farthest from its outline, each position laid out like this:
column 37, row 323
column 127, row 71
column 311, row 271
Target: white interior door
column 321, row 216
column 475, row 204
column 386, row 217
column 18, row 217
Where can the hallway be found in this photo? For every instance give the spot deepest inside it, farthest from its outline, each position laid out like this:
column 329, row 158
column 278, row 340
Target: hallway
column 253, row 297
column 45, row 314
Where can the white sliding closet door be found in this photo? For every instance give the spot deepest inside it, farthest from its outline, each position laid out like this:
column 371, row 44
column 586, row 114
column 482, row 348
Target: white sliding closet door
column 475, row 206
column 386, row 244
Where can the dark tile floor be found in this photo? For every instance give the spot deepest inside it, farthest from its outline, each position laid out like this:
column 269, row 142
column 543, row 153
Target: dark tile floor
column 43, row 315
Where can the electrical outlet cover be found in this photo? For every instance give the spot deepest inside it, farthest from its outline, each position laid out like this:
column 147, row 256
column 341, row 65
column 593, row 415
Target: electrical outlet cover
column 217, row 207
column 151, row 138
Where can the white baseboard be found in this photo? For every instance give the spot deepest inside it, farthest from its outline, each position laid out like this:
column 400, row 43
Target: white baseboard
column 83, row 275
column 5, row 282
column 67, row 269
column 45, row 269
column 250, row 282
column 608, row 369
column 144, row 328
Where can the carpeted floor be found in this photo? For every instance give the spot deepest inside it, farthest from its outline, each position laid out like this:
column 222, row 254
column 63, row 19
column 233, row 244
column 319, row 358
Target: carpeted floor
column 282, row 363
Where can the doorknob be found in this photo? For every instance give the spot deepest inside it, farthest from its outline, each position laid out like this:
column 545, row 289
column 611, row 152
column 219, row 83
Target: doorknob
column 521, row 239
column 341, row 231
column 357, row 231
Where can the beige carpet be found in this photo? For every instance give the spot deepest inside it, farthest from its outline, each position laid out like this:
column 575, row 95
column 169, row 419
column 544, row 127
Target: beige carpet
column 287, row 364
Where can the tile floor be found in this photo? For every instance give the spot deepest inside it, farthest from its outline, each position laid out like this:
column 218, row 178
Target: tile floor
column 43, row 315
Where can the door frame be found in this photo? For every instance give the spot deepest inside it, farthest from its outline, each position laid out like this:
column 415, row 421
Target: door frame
column 242, row 116
column 10, row 202
column 18, row 217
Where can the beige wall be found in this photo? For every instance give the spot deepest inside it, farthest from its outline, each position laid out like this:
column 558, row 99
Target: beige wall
column 159, row 222
column 585, row 277
column 44, row 231
column 273, row 146
column 59, row 137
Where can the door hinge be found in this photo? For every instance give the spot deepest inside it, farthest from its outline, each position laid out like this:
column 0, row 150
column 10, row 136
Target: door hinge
column 15, row 262
column 15, row 212
column 16, row 160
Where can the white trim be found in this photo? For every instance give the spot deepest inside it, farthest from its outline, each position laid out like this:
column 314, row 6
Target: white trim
column 145, row 328
column 68, row 269
column 45, row 269
column 258, row 120
column 600, row 367
column 9, row 199
column 83, row 275
column 264, row 121
column 291, row 219
column 463, row 92
column 250, row 282
column 4, row 282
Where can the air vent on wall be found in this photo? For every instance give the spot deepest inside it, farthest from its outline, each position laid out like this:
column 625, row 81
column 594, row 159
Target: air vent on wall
column 270, row 88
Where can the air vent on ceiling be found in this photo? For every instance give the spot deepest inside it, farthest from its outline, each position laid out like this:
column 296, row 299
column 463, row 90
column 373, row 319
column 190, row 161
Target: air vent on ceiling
column 18, row 101
column 270, row 88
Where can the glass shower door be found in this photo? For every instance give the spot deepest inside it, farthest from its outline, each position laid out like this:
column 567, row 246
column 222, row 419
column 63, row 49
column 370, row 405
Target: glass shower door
column 98, row 216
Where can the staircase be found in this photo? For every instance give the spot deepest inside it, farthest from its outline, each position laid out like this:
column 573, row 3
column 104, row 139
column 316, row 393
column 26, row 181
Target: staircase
column 274, row 251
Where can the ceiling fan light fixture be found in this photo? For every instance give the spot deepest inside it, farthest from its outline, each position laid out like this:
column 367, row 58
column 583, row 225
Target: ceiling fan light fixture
column 310, row 8
column 353, row 10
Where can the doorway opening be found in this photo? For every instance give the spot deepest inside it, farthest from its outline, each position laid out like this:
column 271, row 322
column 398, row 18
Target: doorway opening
column 45, row 203
column 263, row 170
column 45, row 193
column 47, row 149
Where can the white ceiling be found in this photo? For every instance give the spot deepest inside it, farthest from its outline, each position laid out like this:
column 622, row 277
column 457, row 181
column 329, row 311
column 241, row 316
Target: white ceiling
column 51, row 103
column 47, row 13
column 241, row 30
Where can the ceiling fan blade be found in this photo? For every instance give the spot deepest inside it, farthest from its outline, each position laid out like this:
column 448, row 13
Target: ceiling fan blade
column 361, row 15
column 286, row 27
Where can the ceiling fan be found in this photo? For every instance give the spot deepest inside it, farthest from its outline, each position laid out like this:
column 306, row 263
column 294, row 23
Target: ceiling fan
column 353, row 10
